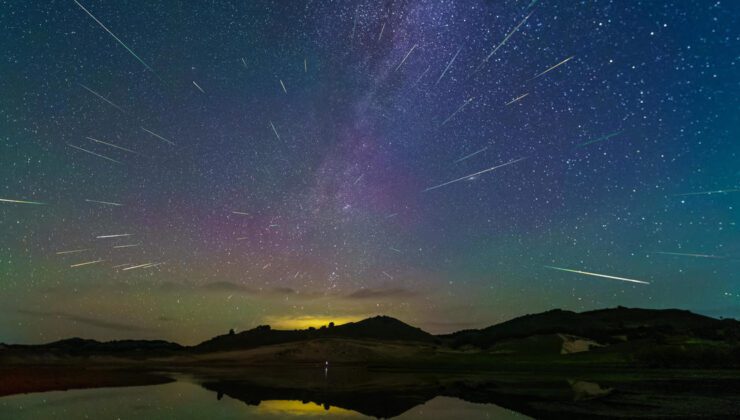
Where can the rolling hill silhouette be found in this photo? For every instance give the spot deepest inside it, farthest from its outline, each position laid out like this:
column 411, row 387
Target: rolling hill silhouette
column 619, row 335
column 604, row 325
column 84, row 347
column 382, row 328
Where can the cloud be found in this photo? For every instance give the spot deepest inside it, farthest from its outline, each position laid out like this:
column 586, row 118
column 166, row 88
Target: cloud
column 231, row 287
column 449, row 327
column 381, row 293
column 93, row 322
column 226, row 286
column 171, row 286
column 283, row 291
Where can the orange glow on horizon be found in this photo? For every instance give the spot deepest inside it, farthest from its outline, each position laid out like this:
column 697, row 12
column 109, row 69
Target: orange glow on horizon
column 303, row 322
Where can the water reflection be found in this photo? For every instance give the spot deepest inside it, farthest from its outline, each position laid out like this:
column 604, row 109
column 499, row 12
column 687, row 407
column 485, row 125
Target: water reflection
column 359, row 393
column 389, row 394
column 302, row 408
column 187, row 400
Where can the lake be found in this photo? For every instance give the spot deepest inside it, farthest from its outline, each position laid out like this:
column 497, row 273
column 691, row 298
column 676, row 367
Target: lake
column 225, row 393
column 187, row 400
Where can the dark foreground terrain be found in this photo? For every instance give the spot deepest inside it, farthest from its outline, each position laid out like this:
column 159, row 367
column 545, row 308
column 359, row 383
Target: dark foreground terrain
column 610, row 363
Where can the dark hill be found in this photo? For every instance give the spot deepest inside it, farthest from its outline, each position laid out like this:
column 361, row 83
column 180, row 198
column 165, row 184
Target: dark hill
column 602, row 325
column 380, row 328
column 83, row 347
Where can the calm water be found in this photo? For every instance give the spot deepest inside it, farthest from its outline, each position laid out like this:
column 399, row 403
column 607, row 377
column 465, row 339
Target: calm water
column 226, row 393
column 188, row 400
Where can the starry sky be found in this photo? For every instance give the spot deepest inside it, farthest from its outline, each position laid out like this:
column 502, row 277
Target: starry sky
column 174, row 169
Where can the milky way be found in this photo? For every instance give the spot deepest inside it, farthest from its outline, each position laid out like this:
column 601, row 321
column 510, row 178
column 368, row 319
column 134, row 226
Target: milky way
column 174, row 169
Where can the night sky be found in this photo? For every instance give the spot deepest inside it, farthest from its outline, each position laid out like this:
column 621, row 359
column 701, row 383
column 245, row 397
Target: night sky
column 289, row 162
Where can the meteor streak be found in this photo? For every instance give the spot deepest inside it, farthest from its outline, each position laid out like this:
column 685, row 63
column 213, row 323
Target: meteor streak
column 7, row 200
column 147, row 265
column 103, row 202
column 472, row 175
column 120, row 235
column 382, row 28
column 283, row 85
column 101, row 97
column 241, row 212
column 387, row 275
column 596, row 275
column 126, row 246
column 274, row 130
column 199, row 88
column 471, row 155
column 121, row 265
column 74, row 251
column 405, row 57
column 553, row 67
column 111, row 145
column 85, row 263
column 93, row 153
column 501, row 44
column 448, row 65
column 157, row 136
column 114, row 36
column 354, row 25
column 458, row 110
column 602, row 138
column 709, row 192
column 681, row 254
column 518, row 98
column 420, row 76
